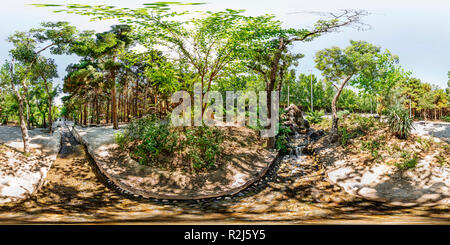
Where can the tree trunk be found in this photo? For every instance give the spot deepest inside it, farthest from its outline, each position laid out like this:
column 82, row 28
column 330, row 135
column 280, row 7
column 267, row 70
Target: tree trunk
column 44, row 122
column 85, row 114
column 136, row 97
column 114, row 99
column 50, row 99
column 271, row 85
column 97, row 107
column 23, row 124
column 334, row 133
column 107, row 111
column 23, row 127
column 28, row 112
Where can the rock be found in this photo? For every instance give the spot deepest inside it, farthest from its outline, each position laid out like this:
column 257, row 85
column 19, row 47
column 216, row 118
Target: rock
column 293, row 118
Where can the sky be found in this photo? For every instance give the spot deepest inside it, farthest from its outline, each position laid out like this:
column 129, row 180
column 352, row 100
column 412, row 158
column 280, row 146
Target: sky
column 417, row 31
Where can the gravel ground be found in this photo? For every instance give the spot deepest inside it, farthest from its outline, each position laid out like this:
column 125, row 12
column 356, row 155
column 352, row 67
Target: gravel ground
column 440, row 130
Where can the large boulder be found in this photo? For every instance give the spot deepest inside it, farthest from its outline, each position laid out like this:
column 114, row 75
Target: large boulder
column 293, row 118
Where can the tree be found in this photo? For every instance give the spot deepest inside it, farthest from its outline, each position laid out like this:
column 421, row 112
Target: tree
column 270, row 46
column 28, row 47
column 341, row 65
column 220, row 38
column 380, row 84
column 45, row 69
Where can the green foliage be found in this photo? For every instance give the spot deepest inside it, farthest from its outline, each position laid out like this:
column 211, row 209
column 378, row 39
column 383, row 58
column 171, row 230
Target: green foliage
column 441, row 159
column 343, row 113
column 399, row 122
column 149, row 141
column 282, row 139
column 426, row 143
column 345, row 136
column 409, row 161
column 446, row 118
column 363, row 124
column 372, row 146
column 203, row 145
column 326, row 123
column 315, row 117
column 155, row 139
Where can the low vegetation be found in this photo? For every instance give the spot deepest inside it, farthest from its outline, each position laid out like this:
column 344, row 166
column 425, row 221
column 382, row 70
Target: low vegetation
column 314, row 117
column 373, row 141
column 399, row 121
column 154, row 143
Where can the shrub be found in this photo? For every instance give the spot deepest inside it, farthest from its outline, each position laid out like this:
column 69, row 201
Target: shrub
column 203, row 144
column 282, row 139
column 345, row 136
column 399, row 122
column 155, row 139
column 446, row 118
column 363, row 123
column 148, row 140
column 408, row 163
column 342, row 114
column 314, row 117
column 120, row 139
column 372, row 146
column 326, row 123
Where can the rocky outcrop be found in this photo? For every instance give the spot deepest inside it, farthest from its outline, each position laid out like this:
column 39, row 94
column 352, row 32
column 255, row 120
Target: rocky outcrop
column 293, row 118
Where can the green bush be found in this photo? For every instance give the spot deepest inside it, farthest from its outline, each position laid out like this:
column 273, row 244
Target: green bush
column 399, row 122
column 446, row 118
column 148, row 140
column 408, row 163
column 372, row 146
column 345, row 136
column 342, row 114
column 156, row 140
column 363, row 124
column 203, row 144
column 282, row 139
column 314, row 117
column 120, row 139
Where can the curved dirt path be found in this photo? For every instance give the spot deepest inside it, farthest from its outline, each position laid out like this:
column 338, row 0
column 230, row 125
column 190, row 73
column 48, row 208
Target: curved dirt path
column 297, row 194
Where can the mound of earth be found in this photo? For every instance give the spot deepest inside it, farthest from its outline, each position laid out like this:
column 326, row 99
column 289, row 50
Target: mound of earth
column 426, row 184
column 245, row 160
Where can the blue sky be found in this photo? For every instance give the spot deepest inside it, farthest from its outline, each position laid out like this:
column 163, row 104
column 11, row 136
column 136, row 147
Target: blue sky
column 417, row 31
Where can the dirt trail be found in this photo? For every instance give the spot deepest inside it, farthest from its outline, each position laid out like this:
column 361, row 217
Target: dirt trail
column 298, row 194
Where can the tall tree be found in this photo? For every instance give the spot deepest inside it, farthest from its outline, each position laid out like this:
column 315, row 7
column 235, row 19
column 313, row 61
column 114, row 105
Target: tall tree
column 267, row 53
column 28, row 47
column 46, row 70
column 341, row 65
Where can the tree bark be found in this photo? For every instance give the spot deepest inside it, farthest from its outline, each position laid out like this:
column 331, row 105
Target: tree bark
column 50, row 99
column 23, row 124
column 97, row 109
column 114, row 99
column 23, row 128
column 85, row 114
column 107, row 111
column 271, row 85
column 335, row 120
